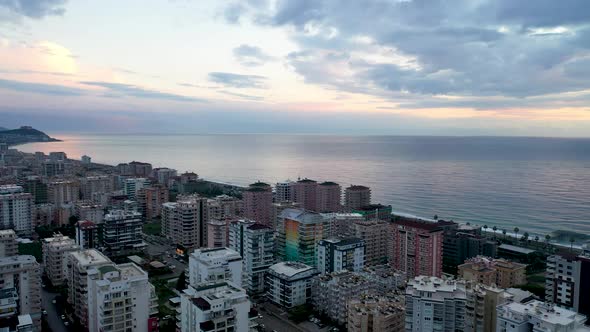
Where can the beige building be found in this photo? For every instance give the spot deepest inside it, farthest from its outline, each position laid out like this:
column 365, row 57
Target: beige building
column 55, row 252
column 480, row 308
column 78, row 265
column 150, row 200
column 185, row 221
column 8, row 244
column 86, row 210
column 258, row 203
column 376, row 314
column 20, row 277
column 218, row 233
column 488, row 271
column 61, row 192
column 376, row 234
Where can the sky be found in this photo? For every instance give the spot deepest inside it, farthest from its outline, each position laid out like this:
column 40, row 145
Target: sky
column 407, row 67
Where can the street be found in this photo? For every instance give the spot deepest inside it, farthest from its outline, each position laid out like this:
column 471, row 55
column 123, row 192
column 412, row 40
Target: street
column 52, row 317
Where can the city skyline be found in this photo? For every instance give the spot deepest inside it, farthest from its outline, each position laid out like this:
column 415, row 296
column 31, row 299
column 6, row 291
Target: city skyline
column 365, row 67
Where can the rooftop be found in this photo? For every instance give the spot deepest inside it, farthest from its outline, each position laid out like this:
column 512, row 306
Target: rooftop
column 290, row 269
column 90, row 257
column 516, row 249
column 355, row 187
column 329, row 183
column 434, row 284
column 542, row 311
column 213, row 254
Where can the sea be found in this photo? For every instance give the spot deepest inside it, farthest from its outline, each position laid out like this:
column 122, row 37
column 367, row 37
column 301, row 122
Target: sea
column 537, row 184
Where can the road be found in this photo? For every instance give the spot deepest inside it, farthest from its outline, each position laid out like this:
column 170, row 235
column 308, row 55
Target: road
column 156, row 247
column 52, row 317
column 276, row 319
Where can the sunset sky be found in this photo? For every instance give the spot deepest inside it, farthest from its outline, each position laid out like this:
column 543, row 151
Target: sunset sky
column 424, row 67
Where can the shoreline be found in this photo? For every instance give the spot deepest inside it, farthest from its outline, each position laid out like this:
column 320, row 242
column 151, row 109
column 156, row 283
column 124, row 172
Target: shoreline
column 509, row 233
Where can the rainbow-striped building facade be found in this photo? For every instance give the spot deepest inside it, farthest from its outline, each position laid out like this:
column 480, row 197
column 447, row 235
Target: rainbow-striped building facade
column 299, row 232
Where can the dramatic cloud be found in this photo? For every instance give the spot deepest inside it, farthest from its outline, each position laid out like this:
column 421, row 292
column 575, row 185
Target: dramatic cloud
column 46, row 89
column 118, row 89
column 251, row 56
column 237, row 80
column 34, row 8
column 403, row 49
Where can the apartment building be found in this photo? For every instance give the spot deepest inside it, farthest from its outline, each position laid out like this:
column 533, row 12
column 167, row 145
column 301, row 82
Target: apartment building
column 537, row 316
column 370, row 313
column 214, row 264
column 500, row 272
column 8, row 244
column 122, row 232
column 567, row 282
column 16, row 209
column 55, row 252
column 20, row 277
column 335, row 255
column 258, row 203
column 299, row 231
column 329, row 195
column 289, row 284
column 355, row 197
column 376, row 235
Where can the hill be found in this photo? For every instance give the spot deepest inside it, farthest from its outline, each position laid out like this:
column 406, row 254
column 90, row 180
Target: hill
column 24, row 134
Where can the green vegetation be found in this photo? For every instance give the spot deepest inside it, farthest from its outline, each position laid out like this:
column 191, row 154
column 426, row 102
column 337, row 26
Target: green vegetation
column 33, row 249
column 300, row 314
column 153, row 228
column 181, row 282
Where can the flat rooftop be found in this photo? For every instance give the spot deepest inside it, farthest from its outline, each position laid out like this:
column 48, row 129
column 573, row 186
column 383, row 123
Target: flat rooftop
column 90, row 257
column 512, row 248
column 290, row 269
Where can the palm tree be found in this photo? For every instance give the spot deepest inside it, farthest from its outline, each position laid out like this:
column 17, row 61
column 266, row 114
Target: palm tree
column 516, row 230
column 536, row 240
column 494, row 229
column 572, row 240
column 547, row 238
column 485, row 227
column 504, row 233
column 435, row 217
column 525, row 236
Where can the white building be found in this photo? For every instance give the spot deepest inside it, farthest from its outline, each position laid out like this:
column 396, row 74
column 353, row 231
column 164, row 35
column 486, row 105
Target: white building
column 8, row 244
column 215, row 264
column 288, row 284
column 434, row 304
column 537, row 316
column 567, row 282
column 78, row 264
column 20, row 293
column 86, row 160
column 120, row 298
column 219, row 306
column 254, row 242
column 91, row 185
column 122, row 232
column 55, row 251
column 284, row 191
column 335, row 255
column 133, row 185
column 16, row 209
column 163, row 175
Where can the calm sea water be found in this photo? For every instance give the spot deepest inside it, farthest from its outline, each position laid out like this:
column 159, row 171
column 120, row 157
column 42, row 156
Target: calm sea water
column 537, row 184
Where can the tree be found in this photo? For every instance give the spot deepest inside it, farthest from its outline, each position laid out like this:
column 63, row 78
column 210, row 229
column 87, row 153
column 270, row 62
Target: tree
column 504, row 233
column 572, row 240
column 525, row 236
column 435, row 217
column 495, row 229
column 181, row 282
column 547, row 239
column 516, row 230
column 485, row 227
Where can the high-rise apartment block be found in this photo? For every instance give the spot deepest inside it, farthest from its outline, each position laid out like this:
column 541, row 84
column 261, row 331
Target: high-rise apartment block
column 63, row 192
column 355, row 197
column 284, row 191
column 218, row 233
column 8, row 244
column 299, row 231
column 342, row 224
column 258, row 203
column 16, row 209
column 21, row 289
column 434, row 304
column 133, row 185
column 91, row 185
column 87, row 234
column 370, row 313
column 185, row 221
column 122, row 232
column 216, row 306
column 120, row 298
column 150, row 200
column 55, row 252
column 78, row 264
column 255, row 243
column 335, row 255
column 416, row 247
column 376, row 235
column 85, row 210
column 289, row 284
column 305, row 192
column 331, row 292
column 163, row 175
column 461, row 242
column 567, row 282
column 329, row 197
column 210, row 265
column 537, row 316
column 499, row 272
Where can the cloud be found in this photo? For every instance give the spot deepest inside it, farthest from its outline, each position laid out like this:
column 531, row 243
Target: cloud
column 241, row 95
column 119, row 89
column 46, row 89
column 237, row 80
column 34, row 8
column 404, row 50
column 251, row 56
